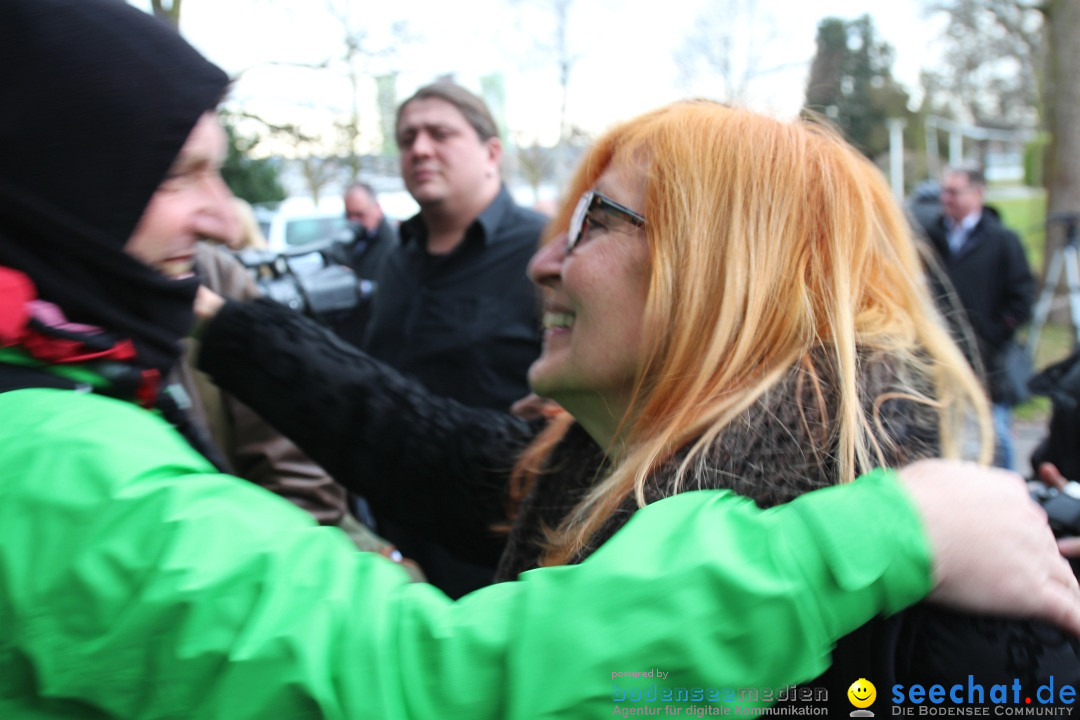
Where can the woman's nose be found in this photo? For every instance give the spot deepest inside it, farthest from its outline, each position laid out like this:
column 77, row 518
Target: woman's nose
column 546, row 264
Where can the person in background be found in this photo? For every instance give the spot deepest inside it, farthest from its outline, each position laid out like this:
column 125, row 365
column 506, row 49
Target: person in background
column 454, row 309
column 988, row 269
column 373, row 235
column 171, row 238
column 369, row 241
column 168, row 239
column 251, row 236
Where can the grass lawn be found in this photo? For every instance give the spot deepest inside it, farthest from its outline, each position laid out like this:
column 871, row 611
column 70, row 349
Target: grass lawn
column 1026, row 215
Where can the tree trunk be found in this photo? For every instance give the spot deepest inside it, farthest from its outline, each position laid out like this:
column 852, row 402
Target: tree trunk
column 1063, row 121
column 167, row 11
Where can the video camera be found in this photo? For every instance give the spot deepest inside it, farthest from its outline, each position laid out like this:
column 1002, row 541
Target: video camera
column 308, row 279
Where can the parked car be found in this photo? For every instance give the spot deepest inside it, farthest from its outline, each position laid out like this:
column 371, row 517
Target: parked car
column 299, row 221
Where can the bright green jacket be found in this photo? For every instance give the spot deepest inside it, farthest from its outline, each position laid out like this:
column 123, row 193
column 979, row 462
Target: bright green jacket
column 136, row 582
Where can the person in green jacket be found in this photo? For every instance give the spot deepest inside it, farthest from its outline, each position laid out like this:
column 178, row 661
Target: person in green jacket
column 137, row 581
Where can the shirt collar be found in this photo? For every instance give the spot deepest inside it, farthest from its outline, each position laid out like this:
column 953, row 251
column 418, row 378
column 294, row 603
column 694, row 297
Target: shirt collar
column 488, row 221
column 967, row 224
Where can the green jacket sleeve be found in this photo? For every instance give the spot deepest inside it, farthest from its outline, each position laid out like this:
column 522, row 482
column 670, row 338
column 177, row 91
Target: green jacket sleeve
column 137, row 583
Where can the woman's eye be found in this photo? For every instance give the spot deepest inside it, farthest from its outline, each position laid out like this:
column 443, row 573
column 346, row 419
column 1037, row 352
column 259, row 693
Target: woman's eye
column 592, row 222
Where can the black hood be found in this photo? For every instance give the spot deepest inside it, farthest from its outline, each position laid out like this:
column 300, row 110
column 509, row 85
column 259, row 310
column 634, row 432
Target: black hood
column 96, row 100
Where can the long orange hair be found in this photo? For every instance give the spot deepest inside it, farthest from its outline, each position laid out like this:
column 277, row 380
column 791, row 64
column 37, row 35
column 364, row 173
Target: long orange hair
column 768, row 241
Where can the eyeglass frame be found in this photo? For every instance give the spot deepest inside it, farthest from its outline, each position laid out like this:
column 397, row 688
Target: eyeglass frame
column 590, row 200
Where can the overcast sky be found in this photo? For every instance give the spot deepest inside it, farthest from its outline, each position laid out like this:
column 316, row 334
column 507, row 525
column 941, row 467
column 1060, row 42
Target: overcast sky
column 625, row 51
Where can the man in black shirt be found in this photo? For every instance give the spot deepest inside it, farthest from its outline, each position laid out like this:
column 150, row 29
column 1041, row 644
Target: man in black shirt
column 454, row 307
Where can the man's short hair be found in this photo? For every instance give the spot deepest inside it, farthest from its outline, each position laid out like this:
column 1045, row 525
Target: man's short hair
column 973, row 173
column 361, row 186
column 474, row 109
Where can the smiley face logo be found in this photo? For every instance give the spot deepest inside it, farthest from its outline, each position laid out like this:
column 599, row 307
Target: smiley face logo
column 862, row 693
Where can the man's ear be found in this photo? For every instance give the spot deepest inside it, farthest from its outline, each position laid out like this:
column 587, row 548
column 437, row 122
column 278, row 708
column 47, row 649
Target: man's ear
column 495, row 151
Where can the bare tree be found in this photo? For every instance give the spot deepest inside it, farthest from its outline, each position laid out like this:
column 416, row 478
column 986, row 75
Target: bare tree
column 318, row 172
column 731, row 42
column 551, row 39
column 1062, row 111
column 357, row 62
column 536, row 164
column 317, row 168
column 559, row 47
column 1041, row 37
column 992, row 71
column 564, row 59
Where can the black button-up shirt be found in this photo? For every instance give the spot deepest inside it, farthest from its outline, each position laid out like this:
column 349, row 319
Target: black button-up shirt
column 464, row 324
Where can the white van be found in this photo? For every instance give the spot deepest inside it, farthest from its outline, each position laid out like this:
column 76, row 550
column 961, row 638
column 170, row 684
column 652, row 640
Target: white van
column 299, row 221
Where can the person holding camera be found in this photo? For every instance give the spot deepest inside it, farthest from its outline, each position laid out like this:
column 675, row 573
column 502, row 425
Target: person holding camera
column 364, row 247
column 373, row 235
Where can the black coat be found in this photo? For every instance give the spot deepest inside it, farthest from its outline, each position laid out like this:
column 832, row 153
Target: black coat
column 993, row 283
column 365, row 255
column 369, row 253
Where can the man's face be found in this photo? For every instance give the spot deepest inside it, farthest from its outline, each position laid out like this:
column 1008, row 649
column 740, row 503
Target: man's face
column 361, row 208
column 192, row 203
column 959, row 198
column 442, row 157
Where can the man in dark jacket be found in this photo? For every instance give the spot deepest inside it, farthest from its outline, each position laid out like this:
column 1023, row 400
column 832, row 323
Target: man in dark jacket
column 986, row 264
column 369, row 241
column 373, row 235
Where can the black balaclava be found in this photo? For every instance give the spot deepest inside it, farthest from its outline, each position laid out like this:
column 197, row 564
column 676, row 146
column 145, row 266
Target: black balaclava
column 96, row 100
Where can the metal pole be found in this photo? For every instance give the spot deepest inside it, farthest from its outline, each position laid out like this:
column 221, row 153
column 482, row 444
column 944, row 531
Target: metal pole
column 896, row 156
column 1072, row 277
column 1042, row 308
column 932, row 156
column 956, row 147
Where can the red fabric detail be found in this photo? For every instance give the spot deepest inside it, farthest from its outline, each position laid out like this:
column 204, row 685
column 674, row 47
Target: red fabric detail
column 16, row 291
column 147, row 392
column 17, row 294
column 61, row 350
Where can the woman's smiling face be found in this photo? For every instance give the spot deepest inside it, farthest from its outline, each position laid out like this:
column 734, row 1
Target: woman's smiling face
column 594, row 300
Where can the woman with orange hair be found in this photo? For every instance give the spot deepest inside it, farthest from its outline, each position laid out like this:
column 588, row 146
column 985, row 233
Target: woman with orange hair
column 729, row 301
column 759, row 321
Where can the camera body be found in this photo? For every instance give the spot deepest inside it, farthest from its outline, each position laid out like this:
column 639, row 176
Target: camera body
column 308, row 279
column 1062, row 509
